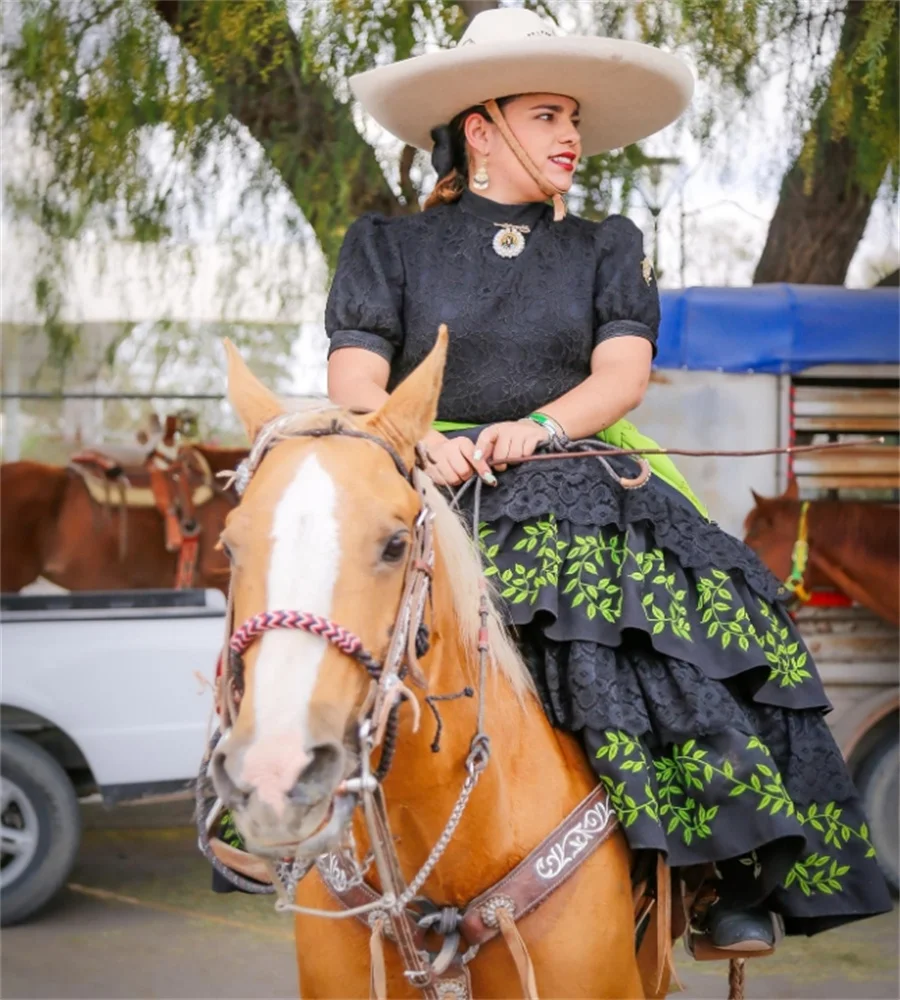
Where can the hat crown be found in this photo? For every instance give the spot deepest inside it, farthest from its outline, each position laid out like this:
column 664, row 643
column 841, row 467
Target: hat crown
column 507, row 24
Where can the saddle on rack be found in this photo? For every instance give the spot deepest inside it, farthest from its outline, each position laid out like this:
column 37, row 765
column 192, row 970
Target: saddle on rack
column 176, row 479
column 131, row 471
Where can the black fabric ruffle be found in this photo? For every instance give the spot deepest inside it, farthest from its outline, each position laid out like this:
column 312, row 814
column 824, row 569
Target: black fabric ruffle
column 673, row 657
column 582, row 493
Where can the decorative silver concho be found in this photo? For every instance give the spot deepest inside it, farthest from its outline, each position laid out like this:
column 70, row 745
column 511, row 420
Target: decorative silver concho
column 453, row 989
column 489, row 908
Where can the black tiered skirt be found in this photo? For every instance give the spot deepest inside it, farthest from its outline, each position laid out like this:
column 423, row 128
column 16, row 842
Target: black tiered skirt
column 665, row 644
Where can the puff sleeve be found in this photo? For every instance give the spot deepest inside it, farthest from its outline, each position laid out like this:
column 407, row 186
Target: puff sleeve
column 626, row 300
column 365, row 304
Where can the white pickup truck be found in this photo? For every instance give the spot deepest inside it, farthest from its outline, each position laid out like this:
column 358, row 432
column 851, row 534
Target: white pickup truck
column 101, row 693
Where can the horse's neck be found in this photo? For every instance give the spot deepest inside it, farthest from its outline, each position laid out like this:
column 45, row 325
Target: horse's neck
column 856, row 532
column 854, row 548
column 534, row 778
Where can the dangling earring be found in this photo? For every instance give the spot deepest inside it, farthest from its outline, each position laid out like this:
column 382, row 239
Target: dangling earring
column 481, row 181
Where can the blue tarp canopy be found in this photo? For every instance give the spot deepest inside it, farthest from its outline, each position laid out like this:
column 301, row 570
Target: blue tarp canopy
column 778, row 328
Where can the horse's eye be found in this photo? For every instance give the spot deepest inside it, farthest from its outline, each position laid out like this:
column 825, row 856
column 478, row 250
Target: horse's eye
column 395, row 549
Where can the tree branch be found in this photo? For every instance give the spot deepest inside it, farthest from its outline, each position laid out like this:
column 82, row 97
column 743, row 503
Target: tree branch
column 822, row 212
column 298, row 121
column 471, row 8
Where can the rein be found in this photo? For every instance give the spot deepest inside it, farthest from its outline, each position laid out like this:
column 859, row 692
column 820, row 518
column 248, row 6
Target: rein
column 793, row 449
column 554, row 450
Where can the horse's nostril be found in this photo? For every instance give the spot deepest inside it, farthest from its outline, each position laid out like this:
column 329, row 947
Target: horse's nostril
column 226, row 788
column 320, row 777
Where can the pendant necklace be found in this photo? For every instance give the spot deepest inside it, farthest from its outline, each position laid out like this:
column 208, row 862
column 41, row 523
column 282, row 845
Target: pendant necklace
column 510, row 241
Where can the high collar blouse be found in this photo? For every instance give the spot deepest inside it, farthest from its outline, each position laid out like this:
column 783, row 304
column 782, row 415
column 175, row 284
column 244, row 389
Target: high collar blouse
column 522, row 329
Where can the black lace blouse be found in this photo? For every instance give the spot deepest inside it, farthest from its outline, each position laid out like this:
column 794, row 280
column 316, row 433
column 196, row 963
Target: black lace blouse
column 522, row 329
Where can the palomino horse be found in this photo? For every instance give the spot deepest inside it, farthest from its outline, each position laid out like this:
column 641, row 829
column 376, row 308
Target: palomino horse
column 853, row 546
column 326, row 531
column 50, row 526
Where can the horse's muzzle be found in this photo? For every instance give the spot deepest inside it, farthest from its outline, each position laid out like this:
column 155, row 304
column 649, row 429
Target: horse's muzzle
column 273, row 820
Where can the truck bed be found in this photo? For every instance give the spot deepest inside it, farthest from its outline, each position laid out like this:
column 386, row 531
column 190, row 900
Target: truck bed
column 121, row 674
column 87, row 605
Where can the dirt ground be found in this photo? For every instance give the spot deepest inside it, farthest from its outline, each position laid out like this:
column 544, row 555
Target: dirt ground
column 138, row 921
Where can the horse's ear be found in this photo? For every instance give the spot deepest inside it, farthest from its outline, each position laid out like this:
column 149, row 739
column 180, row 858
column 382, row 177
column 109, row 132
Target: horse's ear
column 254, row 404
column 792, row 492
column 406, row 417
column 757, row 499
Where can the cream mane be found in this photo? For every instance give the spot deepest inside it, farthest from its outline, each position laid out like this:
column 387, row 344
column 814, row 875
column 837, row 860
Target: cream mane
column 465, row 573
column 458, row 551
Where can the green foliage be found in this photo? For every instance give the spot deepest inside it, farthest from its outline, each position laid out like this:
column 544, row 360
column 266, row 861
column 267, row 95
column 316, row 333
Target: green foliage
column 860, row 101
column 686, row 790
column 93, row 77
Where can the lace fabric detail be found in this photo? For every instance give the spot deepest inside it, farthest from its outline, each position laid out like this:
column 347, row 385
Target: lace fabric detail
column 581, row 492
column 807, row 755
column 665, row 701
column 794, row 838
column 521, row 330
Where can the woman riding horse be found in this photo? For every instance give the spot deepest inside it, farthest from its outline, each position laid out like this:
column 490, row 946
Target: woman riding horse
column 658, row 638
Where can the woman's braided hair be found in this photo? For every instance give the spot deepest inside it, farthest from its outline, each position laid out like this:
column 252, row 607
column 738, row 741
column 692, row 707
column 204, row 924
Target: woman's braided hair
column 449, row 156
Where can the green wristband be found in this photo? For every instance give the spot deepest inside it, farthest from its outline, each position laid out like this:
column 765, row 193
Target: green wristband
column 552, row 426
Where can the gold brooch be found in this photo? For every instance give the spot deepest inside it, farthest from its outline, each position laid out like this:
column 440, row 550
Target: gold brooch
column 510, row 241
column 647, row 270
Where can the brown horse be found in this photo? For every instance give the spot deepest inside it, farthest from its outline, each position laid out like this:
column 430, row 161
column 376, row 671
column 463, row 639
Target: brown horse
column 50, row 526
column 325, row 526
column 853, row 546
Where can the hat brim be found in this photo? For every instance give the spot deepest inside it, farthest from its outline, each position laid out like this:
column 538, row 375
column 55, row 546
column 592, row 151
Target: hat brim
column 626, row 90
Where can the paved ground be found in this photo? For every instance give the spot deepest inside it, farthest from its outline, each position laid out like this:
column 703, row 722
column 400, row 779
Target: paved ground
column 138, row 921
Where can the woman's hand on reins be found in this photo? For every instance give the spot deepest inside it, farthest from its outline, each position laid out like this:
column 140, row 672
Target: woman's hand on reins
column 454, row 460
column 505, row 443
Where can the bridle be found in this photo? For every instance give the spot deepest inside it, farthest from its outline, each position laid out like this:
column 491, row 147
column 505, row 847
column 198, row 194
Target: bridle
column 377, row 722
column 409, row 636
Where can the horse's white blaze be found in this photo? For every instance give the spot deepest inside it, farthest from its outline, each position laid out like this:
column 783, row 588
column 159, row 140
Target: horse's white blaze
column 303, row 569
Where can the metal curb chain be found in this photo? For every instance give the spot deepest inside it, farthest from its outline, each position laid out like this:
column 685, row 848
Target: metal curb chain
column 475, row 770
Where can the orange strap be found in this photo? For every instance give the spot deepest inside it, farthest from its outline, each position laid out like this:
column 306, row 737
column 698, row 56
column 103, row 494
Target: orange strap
column 161, row 484
column 378, row 968
column 664, row 956
column 187, row 563
column 518, row 951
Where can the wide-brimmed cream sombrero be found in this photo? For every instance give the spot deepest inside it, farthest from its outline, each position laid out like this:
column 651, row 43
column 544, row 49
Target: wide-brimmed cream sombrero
column 626, row 90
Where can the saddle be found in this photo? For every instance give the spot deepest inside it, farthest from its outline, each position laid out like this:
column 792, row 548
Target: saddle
column 174, row 478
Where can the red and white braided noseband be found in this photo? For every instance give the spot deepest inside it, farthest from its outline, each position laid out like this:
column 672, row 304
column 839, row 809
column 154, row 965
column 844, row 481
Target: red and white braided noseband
column 303, row 621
